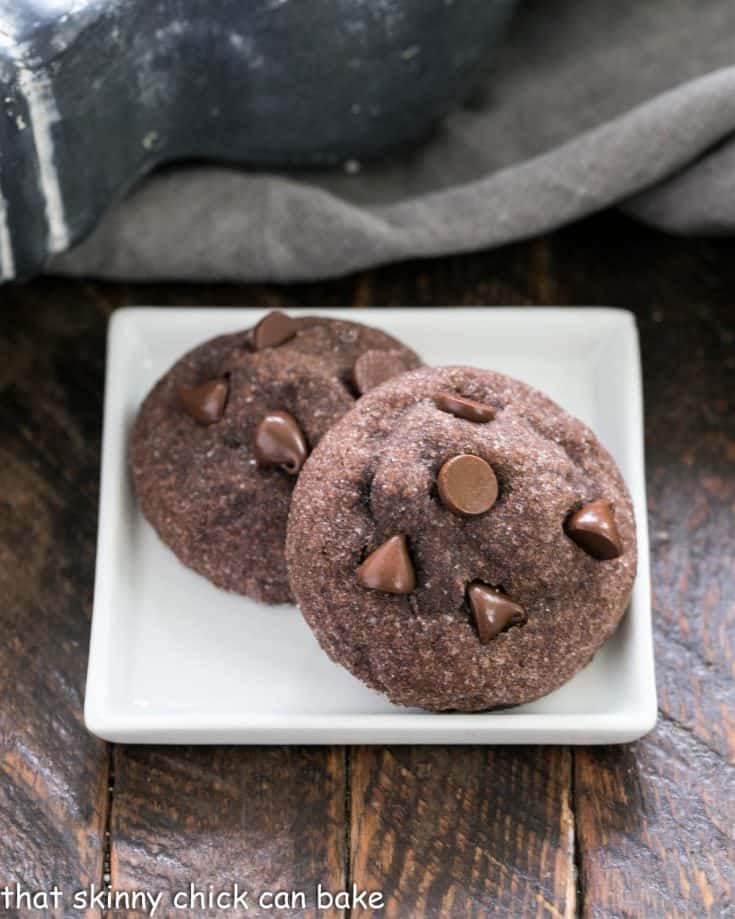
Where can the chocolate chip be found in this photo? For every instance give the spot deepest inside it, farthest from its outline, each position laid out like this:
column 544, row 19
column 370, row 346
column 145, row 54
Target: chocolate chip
column 467, row 485
column 206, row 402
column 375, row 367
column 464, row 408
column 493, row 610
column 593, row 528
column 280, row 442
column 388, row 568
column 273, row 330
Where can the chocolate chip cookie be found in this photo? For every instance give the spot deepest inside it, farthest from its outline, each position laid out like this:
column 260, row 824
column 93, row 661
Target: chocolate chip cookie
column 459, row 542
column 220, row 439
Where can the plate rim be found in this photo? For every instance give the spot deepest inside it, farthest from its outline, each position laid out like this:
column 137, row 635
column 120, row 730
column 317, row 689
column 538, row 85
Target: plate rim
column 108, row 723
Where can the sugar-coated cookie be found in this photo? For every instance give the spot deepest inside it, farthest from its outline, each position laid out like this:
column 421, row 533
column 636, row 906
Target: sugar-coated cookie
column 220, row 439
column 459, row 542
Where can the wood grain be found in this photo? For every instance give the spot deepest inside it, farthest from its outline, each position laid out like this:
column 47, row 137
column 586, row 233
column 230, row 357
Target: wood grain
column 655, row 820
column 655, row 828
column 53, row 775
column 442, row 831
column 464, row 831
column 266, row 818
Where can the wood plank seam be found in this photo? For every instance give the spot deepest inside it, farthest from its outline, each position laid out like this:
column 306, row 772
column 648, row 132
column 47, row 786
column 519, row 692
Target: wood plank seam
column 347, row 870
column 652, row 829
column 576, row 896
column 107, row 838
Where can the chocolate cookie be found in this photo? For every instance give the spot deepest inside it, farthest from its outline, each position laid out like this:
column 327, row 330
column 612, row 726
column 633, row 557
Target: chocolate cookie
column 459, row 542
column 219, row 440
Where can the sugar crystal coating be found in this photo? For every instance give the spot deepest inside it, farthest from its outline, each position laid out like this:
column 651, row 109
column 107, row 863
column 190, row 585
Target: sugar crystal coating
column 200, row 485
column 374, row 475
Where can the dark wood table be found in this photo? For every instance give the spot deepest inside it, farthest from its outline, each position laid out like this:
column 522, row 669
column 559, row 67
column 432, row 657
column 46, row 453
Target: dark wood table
column 638, row 830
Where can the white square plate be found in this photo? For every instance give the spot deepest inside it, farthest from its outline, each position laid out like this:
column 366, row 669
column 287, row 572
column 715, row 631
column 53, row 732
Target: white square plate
column 175, row 660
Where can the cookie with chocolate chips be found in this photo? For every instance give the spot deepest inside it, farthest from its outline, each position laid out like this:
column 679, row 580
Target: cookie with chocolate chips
column 220, row 440
column 459, row 542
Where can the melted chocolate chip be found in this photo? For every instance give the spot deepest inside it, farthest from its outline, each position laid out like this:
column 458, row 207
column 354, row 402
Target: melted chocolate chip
column 493, row 611
column 467, row 485
column 206, row 402
column 375, row 367
column 388, row 568
column 280, row 442
column 464, row 408
column 273, row 330
column 594, row 529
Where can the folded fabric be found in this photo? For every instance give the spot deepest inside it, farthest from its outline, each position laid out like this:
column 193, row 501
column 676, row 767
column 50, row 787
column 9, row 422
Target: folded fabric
column 589, row 104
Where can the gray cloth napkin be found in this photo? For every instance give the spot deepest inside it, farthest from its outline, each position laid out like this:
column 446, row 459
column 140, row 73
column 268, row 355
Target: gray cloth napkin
column 588, row 104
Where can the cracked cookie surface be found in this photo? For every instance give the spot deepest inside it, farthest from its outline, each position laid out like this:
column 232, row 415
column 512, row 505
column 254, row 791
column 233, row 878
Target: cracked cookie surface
column 220, row 508
column 415, row 634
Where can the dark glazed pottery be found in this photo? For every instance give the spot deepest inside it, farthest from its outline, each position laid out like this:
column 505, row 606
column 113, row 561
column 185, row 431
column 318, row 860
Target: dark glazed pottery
column 98, row 92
